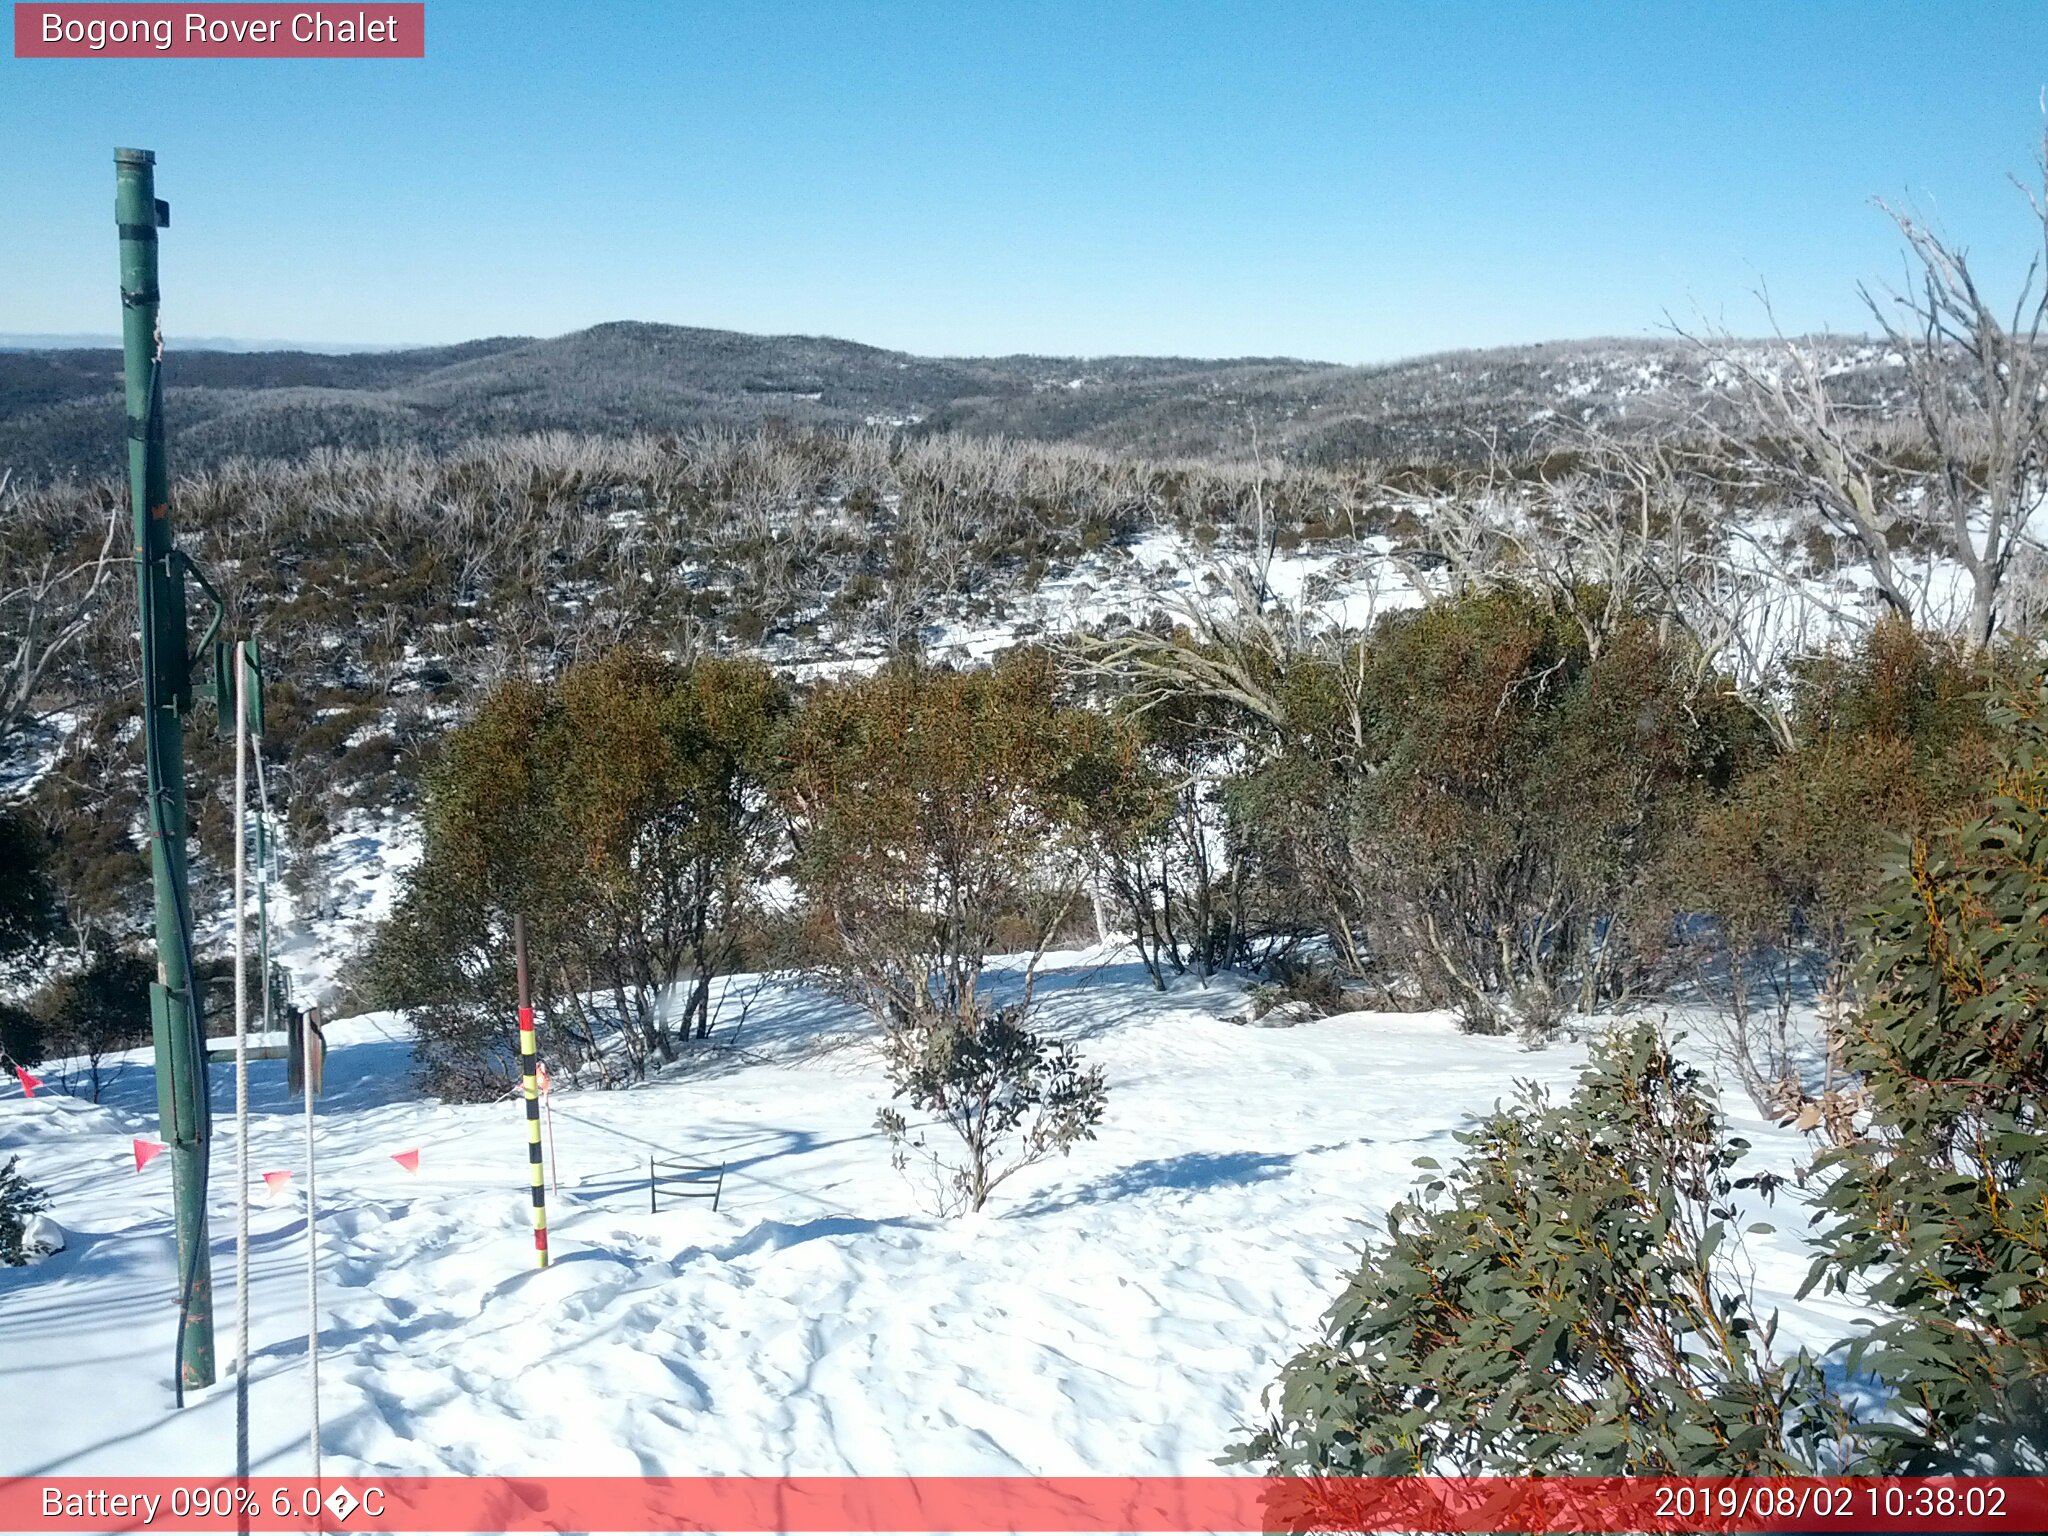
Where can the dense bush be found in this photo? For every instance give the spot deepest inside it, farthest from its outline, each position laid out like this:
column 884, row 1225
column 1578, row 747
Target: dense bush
column 1940, row 1214
column 28, row 903
column 1563, row 1300
column 623, row 812
column 96, row 1012
column 21, row 1037
column 1784, row 866
column 929, row 810
column 1481, row 792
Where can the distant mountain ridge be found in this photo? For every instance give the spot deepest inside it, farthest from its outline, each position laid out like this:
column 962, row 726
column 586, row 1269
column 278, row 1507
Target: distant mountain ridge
column 60, row 410
column 65, row 341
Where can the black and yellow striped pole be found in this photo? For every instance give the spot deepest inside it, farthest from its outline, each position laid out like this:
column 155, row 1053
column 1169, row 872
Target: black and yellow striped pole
column 530, row 1081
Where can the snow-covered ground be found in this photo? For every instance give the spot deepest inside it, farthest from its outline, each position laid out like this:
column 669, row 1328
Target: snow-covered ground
column 1117, row 1312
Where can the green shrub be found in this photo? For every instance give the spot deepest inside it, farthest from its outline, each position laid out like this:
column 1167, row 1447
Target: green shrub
column 930, row 812
column 21, row 1037
column 1886, row 739
column 1011, row 1097
column 28, row 901
column 19, row 1200
column 1940, row 1214
column 1562, row 1300
column 98, row 1012
column 622, row 811
column 1480, row 794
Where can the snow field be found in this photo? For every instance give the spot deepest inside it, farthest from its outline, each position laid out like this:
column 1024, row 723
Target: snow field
column 1117, row 1312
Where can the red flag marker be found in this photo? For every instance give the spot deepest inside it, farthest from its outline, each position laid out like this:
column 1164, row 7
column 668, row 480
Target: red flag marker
column 409, row 1159
column 277, row 1181
column 29, row 1085
column 540, row 1076
column 145, row 1150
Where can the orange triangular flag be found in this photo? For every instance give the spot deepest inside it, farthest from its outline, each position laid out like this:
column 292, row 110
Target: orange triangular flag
column 277, row 1181
column 540, row 1073
column 409, row 1159
column 29, row 1085
column 145, row 1150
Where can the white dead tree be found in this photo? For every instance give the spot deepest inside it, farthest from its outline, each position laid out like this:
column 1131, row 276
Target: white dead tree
column 1632, row 528
column 1982, row 402
column 1820, row 454
column 1974, row 471
column 48, row 601
column 1234, row 637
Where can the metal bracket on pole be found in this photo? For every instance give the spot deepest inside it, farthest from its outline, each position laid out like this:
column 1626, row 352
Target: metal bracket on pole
column 211, row 634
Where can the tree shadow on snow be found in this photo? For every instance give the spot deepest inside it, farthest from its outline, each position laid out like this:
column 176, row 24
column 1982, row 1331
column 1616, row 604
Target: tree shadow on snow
column 1191, row 1172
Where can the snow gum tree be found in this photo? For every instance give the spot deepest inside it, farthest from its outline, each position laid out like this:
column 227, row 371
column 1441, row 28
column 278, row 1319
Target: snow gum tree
column 932, row 817
column 624, row 811
column 1477, row 792
column 936, row 820
column 1888, row 739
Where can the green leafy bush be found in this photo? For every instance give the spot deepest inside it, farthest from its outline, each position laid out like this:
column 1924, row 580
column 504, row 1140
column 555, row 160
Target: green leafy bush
column 1481, row 793
column 1941, row 1212
column 98, row 1012
column 931, row 811
column 624, row 812
column 28, row 906
column 19, row 1200
column 21, row 1037
column 1786, row 864
column 1561, row 1300
column 1010, row 1096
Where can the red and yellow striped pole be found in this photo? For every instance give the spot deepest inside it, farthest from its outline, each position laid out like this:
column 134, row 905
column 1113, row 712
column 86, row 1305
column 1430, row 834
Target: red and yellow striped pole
column 530, row 1081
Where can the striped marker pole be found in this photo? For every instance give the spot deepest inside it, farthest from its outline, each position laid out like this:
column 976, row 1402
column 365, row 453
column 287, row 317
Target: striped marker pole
column 530, row 1080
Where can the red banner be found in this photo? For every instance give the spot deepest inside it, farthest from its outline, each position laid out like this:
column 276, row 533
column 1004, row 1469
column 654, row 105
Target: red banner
column 1051, row 1504
column 240, row 31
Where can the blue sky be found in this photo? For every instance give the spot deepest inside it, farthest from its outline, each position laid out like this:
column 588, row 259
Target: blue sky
column 1344, row 181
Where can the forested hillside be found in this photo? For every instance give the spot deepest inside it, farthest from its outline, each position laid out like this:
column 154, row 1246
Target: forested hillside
column 60, row 410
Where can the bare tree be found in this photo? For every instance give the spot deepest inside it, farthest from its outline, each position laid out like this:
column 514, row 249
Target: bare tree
column 1820, row 452
column 48, row 600
column 1978, row 389
column 1976, row 469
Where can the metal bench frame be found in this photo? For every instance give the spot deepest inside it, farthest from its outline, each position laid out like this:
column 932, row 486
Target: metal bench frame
column 683, row 1179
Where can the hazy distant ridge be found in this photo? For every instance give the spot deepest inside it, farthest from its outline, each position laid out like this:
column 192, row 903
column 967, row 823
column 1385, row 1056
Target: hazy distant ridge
column 60, row 408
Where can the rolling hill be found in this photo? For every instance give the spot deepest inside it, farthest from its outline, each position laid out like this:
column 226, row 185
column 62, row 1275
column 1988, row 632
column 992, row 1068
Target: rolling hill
column 60, row 410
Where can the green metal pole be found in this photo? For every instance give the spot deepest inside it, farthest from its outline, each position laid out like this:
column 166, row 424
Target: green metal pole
column 182, row 1104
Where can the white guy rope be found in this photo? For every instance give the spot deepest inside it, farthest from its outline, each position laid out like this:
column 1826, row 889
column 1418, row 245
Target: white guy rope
column 241, row 1074
column 312, row 1246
